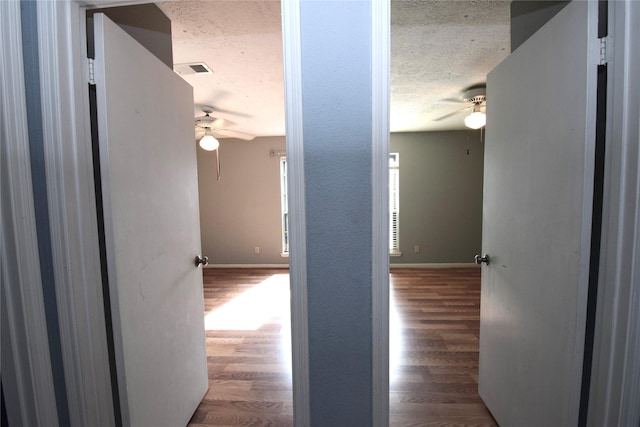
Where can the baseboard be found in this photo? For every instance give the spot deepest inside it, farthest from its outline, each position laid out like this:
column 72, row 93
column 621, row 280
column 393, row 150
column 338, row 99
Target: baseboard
column 436, row 265
column 246, row 266
column 398, row 265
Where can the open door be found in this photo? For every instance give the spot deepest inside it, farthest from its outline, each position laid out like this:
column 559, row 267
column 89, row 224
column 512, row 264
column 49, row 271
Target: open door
column 538, row 192
column 152, row 230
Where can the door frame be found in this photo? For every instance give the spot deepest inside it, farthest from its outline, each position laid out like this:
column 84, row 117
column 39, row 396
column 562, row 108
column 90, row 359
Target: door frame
column 380, row 140
column 291, row 49
column 615, row 374
column 27, row 380
column 73, row 214
column 78, row 280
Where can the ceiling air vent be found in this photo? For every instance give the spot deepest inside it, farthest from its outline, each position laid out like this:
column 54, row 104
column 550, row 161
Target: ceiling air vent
column 192, row 68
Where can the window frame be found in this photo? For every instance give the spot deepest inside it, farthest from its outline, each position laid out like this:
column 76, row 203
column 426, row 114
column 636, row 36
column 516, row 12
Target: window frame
column 394, row 206
column 284, row 208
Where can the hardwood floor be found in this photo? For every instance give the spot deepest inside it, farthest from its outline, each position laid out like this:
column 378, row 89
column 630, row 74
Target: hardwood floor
column 435, row 326
column 434, row 348
column 248, row 346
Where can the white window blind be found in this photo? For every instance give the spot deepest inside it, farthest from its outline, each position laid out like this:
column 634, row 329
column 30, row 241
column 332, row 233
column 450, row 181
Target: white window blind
column 394, row 203
column 284, row 204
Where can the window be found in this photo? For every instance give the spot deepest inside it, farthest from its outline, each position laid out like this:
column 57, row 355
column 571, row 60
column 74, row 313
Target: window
column 284, row 205
column 394, row 204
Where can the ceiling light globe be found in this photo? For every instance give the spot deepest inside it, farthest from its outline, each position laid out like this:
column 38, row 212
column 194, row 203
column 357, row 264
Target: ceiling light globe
column 475, row 120
column 209, row 143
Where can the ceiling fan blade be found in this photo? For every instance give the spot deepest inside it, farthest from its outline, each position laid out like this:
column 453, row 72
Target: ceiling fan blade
column 221, row 123
column 446, row 116
column 232, row 112
column 214, row 111
column 451, row 101
column 227, row 133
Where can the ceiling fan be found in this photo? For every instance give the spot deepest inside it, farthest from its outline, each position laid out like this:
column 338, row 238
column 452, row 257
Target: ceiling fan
column 477, row 97
column 209, row 129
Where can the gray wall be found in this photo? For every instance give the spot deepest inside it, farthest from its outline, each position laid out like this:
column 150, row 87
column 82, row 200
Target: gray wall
column 146, row 23
column 527, row 16
column 337, row 111
column 440, row 199
column 242, row 210
column 440, row 196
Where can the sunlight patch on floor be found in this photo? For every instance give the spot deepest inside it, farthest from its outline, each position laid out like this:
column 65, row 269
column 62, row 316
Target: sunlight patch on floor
column 253, row 308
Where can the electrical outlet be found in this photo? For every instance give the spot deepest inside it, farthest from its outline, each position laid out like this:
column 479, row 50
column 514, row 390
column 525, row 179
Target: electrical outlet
column 416, row 248
column 256, row 250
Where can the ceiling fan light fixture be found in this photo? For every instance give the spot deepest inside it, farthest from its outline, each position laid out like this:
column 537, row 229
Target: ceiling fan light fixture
column 209, row 142
column 475, row 120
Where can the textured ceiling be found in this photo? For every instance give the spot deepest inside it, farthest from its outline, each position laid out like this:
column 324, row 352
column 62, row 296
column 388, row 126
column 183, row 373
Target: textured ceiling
column 438, row 49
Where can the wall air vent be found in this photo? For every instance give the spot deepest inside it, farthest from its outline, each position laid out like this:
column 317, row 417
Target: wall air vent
column 192, row 68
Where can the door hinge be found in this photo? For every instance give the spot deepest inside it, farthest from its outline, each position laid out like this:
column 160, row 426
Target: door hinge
column 90, row 70
column 606, row 50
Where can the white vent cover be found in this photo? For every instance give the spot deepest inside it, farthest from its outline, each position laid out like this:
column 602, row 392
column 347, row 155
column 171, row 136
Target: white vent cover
column 192, row 68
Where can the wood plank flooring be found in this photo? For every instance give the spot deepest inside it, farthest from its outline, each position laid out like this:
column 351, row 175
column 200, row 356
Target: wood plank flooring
column 435, row 326
column 248, row 363
column 434, row 348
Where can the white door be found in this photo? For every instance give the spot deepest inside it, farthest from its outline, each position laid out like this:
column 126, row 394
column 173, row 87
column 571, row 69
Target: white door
column 538, row 188
column 152, row 230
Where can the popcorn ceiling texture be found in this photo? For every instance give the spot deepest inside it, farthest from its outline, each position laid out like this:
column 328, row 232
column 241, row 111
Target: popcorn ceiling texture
column 438, row 48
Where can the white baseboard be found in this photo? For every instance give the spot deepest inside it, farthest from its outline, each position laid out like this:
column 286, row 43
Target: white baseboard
column 246, row 266
column 436, row 265
column 398, row 265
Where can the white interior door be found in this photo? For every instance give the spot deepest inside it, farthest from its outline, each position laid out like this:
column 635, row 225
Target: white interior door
column 538, row 188
column 152, row 230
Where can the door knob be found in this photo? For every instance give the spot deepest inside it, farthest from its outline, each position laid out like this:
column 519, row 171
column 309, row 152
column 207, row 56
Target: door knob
column 204, row 260
column 480, row 259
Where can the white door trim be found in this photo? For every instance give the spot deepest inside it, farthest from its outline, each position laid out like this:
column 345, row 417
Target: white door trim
column 615, row 380
column 297, row 216
column 72, row 210
column 27, row 376
column 381, row 90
